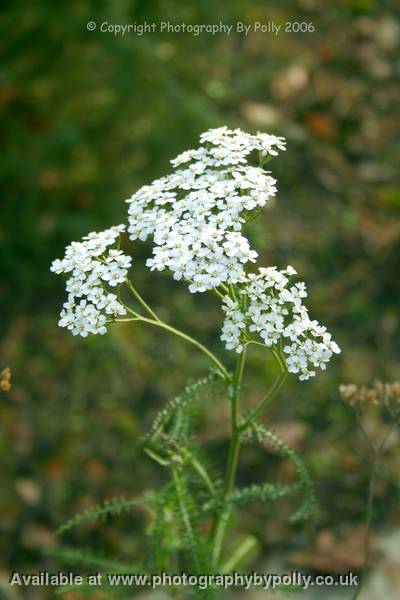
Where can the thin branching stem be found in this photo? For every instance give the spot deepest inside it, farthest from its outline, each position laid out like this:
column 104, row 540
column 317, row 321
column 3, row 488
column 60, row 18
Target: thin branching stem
column 259, row 408
column 376, row 455
column 276, row 386
column 248, row 544
column 237, row 429
column 233, row 293
column 191, row 340
column 181, row 334
column 141, row 300
column 364, row 434
column 218, row 294
column 155, row 320
column 224, row 288
column 220, row 525
column 201, row 471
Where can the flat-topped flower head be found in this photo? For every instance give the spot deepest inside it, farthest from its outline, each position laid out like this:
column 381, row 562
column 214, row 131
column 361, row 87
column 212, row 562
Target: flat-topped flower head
column 93, row 264
column 196, row 214
column 274, row 310
column 195, row 218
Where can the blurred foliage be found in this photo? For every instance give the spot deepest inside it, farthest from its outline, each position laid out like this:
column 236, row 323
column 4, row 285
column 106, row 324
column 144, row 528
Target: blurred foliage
column 87, row 117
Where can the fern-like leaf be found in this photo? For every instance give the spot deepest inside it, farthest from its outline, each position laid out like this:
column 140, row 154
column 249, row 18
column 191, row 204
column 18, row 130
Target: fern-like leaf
column 262, row 434
column 113, row 506
column 73, row 556
column 159, row 554
column 190, row 393
column 263, row 493
column 184, row 502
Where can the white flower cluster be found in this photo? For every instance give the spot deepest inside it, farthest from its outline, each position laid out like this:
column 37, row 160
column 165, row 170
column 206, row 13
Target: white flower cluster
column 272, row 307
column 234, row 325
column 195, row 215
column 93, row 266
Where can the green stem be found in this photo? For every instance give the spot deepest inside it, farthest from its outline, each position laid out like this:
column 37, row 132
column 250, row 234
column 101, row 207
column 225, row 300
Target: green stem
column 233, row 294
column 197, row 466
column 222, row 523
column 277, row 353
column 157, row 321
column 184, row 336
column 155, row 456
column 225, row 288
column 192, row 341
column 218, row 293
column 141, row 300
column 248, row 544
column 235, row 388
column 219, row 529
column 276, row 386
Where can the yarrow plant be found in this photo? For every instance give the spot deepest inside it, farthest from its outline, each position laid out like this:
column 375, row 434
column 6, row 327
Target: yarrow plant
column 195, row 218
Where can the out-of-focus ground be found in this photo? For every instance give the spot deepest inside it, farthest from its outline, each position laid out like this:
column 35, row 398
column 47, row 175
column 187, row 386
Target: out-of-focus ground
column 382, row 582
column 87, row 117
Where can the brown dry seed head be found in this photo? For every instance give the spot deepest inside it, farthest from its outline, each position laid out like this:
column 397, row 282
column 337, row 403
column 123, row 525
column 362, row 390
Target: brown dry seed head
column 349, row 392
column 5, row 379
column 380, row 393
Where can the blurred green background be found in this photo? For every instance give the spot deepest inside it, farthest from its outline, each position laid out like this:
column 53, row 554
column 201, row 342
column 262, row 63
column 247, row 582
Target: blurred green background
column 88, row 117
